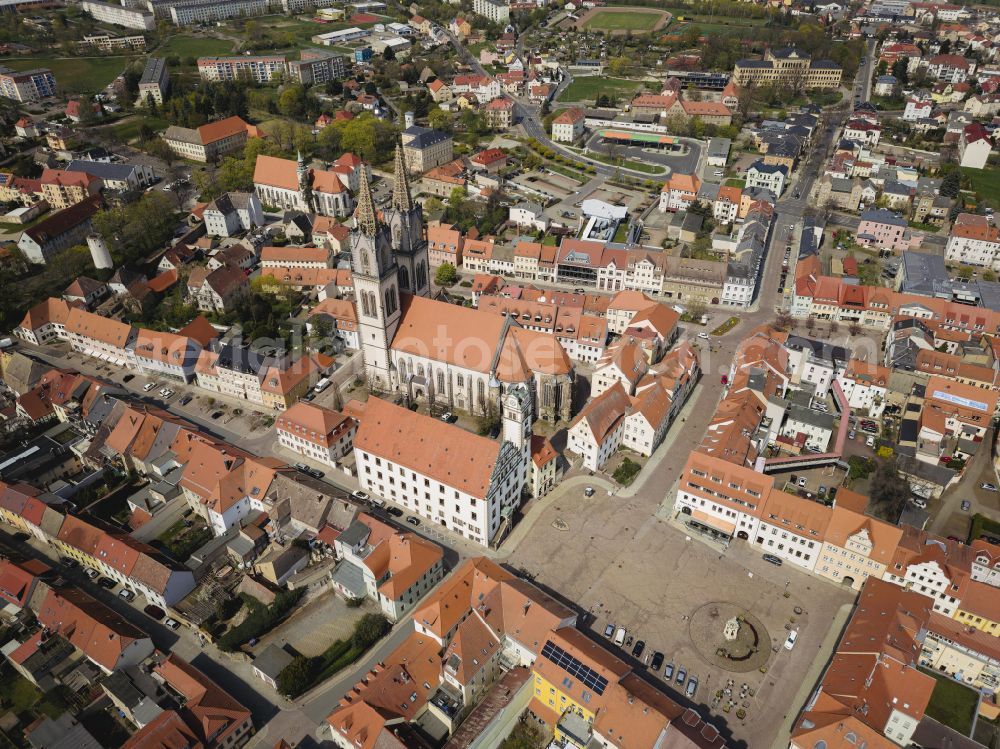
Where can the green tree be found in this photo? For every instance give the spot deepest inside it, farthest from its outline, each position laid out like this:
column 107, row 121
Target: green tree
column 446, row 275
column 951, row 185
column 292, row 102
column 369, row 629
column 297, row 676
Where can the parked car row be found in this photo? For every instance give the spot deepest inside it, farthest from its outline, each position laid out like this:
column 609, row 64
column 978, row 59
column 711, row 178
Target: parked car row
column 619, row 636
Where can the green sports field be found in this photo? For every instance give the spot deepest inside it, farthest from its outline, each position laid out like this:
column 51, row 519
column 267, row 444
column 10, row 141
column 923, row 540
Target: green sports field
column 623, row 20
column 588, row 88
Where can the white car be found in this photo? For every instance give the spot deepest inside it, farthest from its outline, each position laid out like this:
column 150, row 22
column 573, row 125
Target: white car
column 149, row 386
column 870, row 441
column 704, row 335
column 988, row 487
column 790, row 640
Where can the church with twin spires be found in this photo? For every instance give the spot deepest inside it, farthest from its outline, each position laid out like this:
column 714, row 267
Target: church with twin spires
column 429, row 349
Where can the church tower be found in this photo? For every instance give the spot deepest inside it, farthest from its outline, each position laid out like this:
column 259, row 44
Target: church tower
column 516, row 408
column 406, row 225
column 376, row 288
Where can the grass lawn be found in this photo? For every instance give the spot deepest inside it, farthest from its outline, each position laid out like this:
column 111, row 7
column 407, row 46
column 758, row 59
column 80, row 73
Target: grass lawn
column 195, row 46
column 986, row 183
column 952, row 704
column 626, row 163
column 566, row 172
column 588, row 88
column 728, row 325
column 77, row 75
column 549, row 240
column 182, row 541
column 622, row 20
column 734, row 182
column 625, row 473
column 129, row 129
column 982, row 524
column 16, row 691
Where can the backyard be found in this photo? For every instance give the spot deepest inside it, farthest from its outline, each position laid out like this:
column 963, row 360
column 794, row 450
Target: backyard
column 184, row 537
column 952, row 704
column 76, row 75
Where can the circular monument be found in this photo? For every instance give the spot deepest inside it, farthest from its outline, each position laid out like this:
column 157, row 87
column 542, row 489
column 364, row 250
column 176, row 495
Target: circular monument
column 729, row 636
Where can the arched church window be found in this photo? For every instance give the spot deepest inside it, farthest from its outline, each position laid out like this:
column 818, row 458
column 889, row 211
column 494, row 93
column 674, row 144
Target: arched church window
column 365, row 308
column 440, row 380
column 404, row 277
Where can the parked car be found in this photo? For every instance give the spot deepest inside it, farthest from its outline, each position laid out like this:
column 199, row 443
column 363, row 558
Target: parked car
column 772, row 559
column 988, row 487
column 657, row 661
column 395, row 512
column 21, row 536
column 448, row 417
column 412, row 520
column 68, row 563
column 966, row 505
column 186, row 399
column 154, row 611
column 609, row 630
column 639, row 647
column 619, row 636
column 852, row 434
column 360, row 496
column 127, row 594
column 919, row 502
column 172, row 623
column 703, row 334
column 589, row 491
column 128, row 378
column 217, row 414
column 302, row 467
column 149, row 386
column 692, row 687
column 668, row 671
column 316, row 474
column 790, row 640
column 92, row 573
column 803, row 481
column 682, row 675
column 106, row 582
column 869, row 441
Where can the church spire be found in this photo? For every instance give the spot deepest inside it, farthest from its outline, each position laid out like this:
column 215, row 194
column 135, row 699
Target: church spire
column 364, row 215
column 401, row 199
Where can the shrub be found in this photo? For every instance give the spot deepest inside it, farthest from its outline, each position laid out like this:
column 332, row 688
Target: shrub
column 261, row 619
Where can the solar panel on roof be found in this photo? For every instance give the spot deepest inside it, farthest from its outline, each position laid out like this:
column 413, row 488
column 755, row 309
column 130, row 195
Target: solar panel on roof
column 590, row 678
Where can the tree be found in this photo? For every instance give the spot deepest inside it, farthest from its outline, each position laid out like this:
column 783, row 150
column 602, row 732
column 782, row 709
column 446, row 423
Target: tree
column 297, row 676
column 951, row 185
column 292, row 102
column 446, row 275
column 888, row 490
column 369, row 630
column 965, row 273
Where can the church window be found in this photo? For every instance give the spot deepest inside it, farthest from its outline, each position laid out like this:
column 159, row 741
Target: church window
column 365, row 308
column 481, row 390
column 420, row 370
column 461, row 380
column 440, row 379
column 404, row 277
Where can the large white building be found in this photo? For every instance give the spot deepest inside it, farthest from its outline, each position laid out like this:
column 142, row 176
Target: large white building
column 188, row 13
column 469, row 484
column 256, row 68
column 119, row 15
column 291, row 185
column 427, row 349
